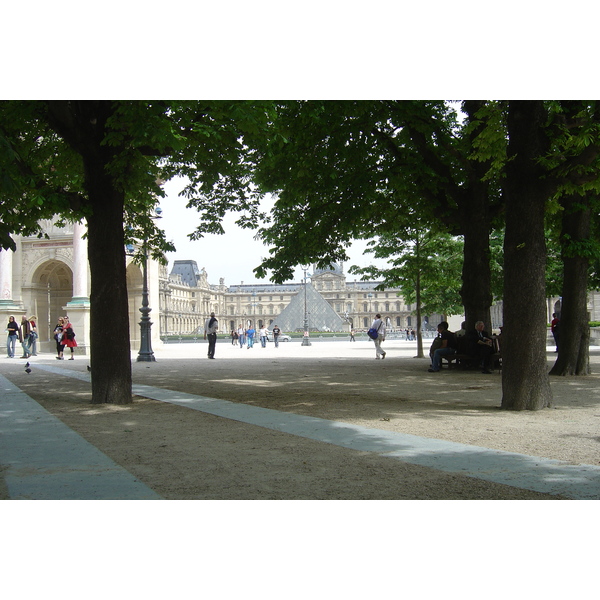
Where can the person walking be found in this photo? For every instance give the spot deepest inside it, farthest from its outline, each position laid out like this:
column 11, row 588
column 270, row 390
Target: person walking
column 58, row 336
column 263, row 336
column 69, row 337
column 555, row 329
column 379, row 326
column 234, row 337
column 250, row 333
column 13, row 331
column 210, row 331
column 276, row 332
column 352, row 338
column 241, row 336
column 24, row 337
column 33, row 336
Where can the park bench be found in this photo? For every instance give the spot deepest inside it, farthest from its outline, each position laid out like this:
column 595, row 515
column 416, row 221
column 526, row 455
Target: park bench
column 467, row 361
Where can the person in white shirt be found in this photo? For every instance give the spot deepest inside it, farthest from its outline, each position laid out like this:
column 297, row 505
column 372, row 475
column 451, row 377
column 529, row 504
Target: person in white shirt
column 379, row 325
column 263, row 336
column 241, row 336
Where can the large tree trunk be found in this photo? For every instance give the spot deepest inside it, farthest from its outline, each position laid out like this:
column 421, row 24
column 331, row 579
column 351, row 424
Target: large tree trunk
column 474, row 210
column 574, row 330
column 109, row 319
column 476, row 273
column 525, row 382
column 82, row 124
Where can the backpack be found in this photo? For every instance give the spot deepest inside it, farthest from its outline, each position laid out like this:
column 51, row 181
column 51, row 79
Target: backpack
column 374, row 333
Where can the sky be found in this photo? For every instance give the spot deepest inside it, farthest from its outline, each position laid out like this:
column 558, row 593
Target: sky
column 233, row 255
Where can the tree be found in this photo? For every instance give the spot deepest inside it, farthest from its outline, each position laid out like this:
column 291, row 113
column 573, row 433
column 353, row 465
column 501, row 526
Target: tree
column 102, row 161
column 342, row 170
column 574, row 167
column 525, row 383
column 425, row 266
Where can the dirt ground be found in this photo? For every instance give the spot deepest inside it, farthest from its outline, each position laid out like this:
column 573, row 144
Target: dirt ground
column 186, row 454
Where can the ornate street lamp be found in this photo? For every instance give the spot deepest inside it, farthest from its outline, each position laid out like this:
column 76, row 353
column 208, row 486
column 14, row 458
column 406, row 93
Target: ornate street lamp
column 146, row 354
column 305, row 340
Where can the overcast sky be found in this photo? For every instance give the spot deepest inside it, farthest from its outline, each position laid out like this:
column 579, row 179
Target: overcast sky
column 232, row 256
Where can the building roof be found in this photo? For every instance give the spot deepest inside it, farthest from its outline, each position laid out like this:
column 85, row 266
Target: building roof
column 188, row 270
column 264, row 288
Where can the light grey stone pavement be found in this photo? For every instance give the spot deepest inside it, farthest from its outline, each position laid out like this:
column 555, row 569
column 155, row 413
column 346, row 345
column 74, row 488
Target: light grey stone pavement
column 43, row 459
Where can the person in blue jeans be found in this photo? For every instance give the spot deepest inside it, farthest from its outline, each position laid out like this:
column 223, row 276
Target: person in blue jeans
column 447, row 347
column 13, row 331
column 250, row 334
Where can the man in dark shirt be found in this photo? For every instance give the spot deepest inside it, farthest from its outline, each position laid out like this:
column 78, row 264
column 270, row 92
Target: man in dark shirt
column 482, row 346
column 447, row 347
column 276, row 332
column 210, row 331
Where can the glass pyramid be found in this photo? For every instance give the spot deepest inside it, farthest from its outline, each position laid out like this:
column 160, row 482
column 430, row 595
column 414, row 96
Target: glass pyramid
column 320, row 314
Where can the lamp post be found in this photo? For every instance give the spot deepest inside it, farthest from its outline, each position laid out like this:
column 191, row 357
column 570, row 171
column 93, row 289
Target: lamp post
column 146, row 354
column 305, row 340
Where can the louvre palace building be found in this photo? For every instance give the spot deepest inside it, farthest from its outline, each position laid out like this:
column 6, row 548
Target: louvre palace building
column 332, row 303
column 49, row 278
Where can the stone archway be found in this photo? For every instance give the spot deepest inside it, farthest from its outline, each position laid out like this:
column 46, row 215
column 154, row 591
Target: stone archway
column 50, row 290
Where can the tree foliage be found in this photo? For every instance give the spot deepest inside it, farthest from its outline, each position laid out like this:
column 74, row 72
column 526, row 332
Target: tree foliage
column 425, row 266
column 103, row 161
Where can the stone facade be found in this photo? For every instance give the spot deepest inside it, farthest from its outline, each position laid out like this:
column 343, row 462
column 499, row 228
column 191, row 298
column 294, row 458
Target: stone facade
column 187, row 305
column 49, row 277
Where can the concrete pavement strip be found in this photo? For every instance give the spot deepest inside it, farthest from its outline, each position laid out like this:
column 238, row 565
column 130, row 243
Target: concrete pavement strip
column 44, row 459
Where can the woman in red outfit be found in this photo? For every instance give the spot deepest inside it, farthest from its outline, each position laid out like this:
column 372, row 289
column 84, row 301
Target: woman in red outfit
column 69, row 336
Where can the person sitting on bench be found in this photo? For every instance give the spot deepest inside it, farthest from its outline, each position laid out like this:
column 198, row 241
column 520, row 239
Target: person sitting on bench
column 481, row 346
column 447, row 347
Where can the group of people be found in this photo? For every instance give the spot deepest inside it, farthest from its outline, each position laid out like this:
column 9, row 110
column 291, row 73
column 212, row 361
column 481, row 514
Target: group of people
column 25, row 333
column 240, row 336
column 245, row 337
column 480, row 345
column 479, row 342
column 64, row 337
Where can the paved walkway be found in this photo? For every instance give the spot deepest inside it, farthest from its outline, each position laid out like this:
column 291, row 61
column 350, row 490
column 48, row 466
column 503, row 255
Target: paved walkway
column 45, row 459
